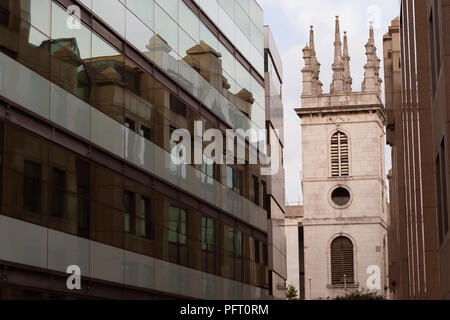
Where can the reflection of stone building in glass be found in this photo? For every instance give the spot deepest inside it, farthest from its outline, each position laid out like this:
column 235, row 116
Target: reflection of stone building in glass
column 87, row 177
column 343, row 183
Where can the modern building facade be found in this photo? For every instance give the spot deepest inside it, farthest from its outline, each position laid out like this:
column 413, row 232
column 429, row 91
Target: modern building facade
column 417, row 95
column 90, row 94
column 273, row 188
column 343, row 183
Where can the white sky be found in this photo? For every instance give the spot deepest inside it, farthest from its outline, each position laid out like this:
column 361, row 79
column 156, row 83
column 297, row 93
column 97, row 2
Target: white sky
column 290, row 21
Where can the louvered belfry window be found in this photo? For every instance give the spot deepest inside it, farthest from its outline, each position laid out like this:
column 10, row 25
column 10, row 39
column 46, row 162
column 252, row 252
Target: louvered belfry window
column 342, row 261
column 339, row 155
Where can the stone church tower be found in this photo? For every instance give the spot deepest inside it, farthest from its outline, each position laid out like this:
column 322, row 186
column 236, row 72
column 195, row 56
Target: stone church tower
column 344, row 187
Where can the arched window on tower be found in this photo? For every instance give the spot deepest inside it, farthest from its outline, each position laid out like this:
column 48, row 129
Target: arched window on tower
column 339, row 155
column 342, row 261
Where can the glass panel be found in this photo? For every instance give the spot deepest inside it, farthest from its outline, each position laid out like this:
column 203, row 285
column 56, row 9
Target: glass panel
column 166, row 28
column 189, row 22
column 112, row 12
column 143, row 9
column 138, row 34
column 170, row 6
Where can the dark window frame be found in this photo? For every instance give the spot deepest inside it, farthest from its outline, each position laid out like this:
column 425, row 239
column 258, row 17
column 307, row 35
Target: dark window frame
column 129, row 210
column 33, row 182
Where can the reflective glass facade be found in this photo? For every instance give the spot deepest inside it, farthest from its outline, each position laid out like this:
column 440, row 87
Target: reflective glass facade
column 79, row 80
column 171, row 35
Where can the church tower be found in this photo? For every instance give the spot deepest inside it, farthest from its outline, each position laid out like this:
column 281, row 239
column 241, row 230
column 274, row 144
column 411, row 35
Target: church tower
column 344, row 187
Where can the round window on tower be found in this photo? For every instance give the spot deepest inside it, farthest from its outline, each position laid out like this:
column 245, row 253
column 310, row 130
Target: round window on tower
column 340, row 196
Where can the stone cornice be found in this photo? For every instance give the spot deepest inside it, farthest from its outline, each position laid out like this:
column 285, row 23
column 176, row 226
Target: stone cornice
column 302, row 112
column 347, row 221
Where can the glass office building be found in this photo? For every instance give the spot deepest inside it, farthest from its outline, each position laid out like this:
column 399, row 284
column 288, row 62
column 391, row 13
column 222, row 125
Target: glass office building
column 90, row 93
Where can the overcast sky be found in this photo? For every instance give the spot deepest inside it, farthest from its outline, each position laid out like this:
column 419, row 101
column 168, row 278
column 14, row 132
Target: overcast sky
column 290, row 21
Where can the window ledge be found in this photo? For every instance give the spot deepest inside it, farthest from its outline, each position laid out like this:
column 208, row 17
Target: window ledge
column 341, row 286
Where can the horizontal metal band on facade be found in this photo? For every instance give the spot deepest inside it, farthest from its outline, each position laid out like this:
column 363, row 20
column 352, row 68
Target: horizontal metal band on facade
column 28, row 277
column 42, row 249
column 117, row 149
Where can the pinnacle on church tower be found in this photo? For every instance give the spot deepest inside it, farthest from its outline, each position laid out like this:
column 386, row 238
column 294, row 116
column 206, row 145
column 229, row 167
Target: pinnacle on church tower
column 337, row 86
column 317, row 86
column 308, row 73
column 311, row 83
column 372, row 80
column 346, row 58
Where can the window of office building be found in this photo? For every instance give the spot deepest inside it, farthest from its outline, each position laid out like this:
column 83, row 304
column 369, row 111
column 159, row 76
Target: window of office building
column 178, row 235
column 208, row 169
column 209, row 244
column 83, row 201
column 147, row 223
column 265, row 196
column 256, row 190
column 129, row 208
column 130, row 124
column 59, row 198
column 257, row 251
column 32, row 186
column 177, row 225
column 235, row 180
column 146, row 132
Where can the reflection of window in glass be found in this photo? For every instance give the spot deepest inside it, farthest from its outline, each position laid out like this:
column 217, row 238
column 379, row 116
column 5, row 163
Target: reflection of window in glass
column 59, row 203
column 265, row 197
column 129, row 208
column 208, row 170
column 208, row 234
column 32, row 186
column 147, row 225
column 257, row 251
column 83, row 186
column 229, row 239
column 4, row 13
column 265, row 254
column 145, row 132
column 238, row 244
column 130, row 124
column 256, row 190
column 177, row 225
column 177, row 107
column 234, row 180
column 234, row 241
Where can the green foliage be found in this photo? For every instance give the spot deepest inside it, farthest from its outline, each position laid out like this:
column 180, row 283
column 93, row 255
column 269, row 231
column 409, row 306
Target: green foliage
column 291, row 293
column 361, row 295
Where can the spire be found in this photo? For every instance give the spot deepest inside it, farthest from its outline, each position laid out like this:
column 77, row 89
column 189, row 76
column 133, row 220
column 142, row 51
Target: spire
column 308, row 73
column 346, row 59
column 337, row 43
column 372, row 81
column 337, row 86
column 311, row 39
column 317, row 85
